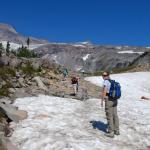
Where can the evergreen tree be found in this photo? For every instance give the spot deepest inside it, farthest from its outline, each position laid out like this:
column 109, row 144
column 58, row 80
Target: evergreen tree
column 28, row 42
column 1, row 46
column 8, row 48
column 1, row 49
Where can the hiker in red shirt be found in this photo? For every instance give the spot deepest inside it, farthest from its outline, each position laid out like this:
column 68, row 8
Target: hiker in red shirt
column 75, row 83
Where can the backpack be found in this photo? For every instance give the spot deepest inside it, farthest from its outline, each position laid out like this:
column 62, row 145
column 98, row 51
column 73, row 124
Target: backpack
column 115, row 90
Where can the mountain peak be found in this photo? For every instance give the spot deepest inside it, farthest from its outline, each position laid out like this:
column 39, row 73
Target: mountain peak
column 8, row 33
column 7, row 27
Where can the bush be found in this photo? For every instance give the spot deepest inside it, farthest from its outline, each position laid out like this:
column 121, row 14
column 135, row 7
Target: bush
column 4, row 91
column 28, row 69
column 6, row 72
column 24, row 52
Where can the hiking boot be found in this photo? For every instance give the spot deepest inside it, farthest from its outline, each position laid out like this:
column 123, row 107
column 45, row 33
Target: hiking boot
column 117, row 132
column 111, row 135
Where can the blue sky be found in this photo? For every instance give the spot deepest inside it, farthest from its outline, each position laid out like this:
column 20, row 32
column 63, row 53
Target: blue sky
column 112, row 22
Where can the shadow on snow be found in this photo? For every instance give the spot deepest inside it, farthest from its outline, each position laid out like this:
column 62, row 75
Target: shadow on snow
column 99, row 125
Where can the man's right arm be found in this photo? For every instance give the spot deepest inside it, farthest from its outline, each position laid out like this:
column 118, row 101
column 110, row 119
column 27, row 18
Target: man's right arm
column 104, row 92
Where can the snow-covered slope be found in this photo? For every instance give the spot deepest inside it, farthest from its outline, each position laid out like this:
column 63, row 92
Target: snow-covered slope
column 134, row 85
column 15, row 46
column 130, row 52
column 66, row 124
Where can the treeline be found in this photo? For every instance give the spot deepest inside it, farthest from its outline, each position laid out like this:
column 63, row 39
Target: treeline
column 24, row 52
column 20, row 52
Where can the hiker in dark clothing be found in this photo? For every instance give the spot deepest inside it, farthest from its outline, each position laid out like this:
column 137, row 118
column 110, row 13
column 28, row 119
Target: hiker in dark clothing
column 110, row 107
column 75, row 83
column 145, row 98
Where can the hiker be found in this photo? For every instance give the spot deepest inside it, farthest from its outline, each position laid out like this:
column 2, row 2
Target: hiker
column 75, row 83
column 145, row 98
column 65, row 73
column 110, row 107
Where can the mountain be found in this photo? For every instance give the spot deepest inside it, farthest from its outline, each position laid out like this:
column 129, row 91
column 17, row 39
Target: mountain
column 93, row 58
column 8, row 33
column 81, row 55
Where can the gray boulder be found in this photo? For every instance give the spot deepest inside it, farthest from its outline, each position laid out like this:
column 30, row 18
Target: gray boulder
column 4, row 60
column 21, row 82
column 40, row 83
column 13, row 113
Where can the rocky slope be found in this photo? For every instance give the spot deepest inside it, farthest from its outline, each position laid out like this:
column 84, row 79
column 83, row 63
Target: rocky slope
column 93, row 58
column 20, row 77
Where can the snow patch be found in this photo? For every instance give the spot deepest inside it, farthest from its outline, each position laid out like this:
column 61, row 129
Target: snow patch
column 86, row 57
column 129, row 52
column 79, row 45
column 54, row 57
column 78, row 68
column 118, row 47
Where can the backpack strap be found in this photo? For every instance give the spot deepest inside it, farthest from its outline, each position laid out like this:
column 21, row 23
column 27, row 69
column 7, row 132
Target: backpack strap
column 111, row 81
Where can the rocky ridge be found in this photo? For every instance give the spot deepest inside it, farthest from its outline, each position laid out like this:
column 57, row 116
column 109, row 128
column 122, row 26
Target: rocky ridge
column 8, row 33
column 94, row 58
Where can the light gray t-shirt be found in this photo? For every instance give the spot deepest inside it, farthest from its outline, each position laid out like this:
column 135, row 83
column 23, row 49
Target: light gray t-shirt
column 107, row 84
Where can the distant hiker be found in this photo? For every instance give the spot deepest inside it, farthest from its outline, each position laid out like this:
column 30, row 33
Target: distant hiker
column 110, row 105
column 75, row 83
column 65, row 73
column 145, row 98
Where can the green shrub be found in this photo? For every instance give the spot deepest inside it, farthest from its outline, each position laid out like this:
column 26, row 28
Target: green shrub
column 28, row 69
column 4, row 91
column 6, row 72
column 24, row 52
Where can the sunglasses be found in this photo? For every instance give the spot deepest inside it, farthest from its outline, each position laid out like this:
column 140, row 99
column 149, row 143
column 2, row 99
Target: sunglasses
column 104, row 75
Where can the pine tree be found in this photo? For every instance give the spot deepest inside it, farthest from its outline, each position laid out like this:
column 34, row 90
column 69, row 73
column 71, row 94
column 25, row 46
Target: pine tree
column 28, row 42
column 1, row 46
column 8, row 48
column 1, row 49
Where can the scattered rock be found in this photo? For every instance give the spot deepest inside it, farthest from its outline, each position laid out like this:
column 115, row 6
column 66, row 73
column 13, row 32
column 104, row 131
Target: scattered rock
column 11, row 90
column 21, row 82
column 82, row 94
column 40, row 83
column 19, row 93
column 45, row 81
column 4, row 61
column 3, row 83
column 15, row 84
